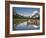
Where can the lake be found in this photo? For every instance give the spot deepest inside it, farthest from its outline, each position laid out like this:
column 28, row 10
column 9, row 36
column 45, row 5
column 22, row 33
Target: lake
column 25, row 26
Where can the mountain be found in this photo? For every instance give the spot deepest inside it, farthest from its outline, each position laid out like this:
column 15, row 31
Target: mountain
column 35, row 14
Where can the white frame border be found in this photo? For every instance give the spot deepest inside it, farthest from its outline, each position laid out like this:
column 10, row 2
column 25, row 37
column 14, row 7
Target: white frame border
column 26, row 31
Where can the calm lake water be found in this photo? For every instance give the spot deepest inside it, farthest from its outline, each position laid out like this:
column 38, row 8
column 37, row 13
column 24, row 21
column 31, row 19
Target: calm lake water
column 25, row 26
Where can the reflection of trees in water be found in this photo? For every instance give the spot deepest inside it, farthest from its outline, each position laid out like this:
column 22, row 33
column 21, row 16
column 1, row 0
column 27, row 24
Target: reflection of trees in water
column 24, row 24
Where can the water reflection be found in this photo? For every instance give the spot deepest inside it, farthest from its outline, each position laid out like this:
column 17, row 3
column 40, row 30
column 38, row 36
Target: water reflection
column 25, row 26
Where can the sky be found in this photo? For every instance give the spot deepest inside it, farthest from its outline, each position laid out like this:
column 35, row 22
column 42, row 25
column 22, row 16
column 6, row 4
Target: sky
column 26, row 11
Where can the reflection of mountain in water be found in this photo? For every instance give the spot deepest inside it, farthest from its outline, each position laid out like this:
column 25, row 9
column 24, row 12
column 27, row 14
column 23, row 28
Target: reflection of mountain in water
column 25, row 26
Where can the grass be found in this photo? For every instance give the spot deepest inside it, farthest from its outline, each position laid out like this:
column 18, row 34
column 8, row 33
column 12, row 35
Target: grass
column 17, row 21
